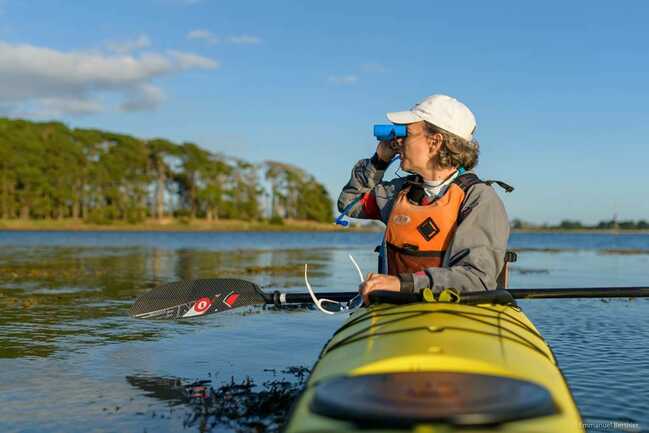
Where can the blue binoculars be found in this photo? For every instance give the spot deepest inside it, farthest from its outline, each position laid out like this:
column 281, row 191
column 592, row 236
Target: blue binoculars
column 389, row 132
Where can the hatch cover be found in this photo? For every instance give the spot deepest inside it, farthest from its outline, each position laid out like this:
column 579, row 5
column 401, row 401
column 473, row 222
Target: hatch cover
column 404, row 399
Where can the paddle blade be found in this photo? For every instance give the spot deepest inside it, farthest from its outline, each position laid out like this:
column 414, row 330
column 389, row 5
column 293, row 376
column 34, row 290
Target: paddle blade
column 185, row 299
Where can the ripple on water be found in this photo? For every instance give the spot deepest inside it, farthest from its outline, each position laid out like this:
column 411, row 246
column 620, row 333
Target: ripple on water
column 602, row 349
column 66, row 345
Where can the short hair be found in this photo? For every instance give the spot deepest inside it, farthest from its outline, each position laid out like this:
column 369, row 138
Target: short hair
column 455, row 151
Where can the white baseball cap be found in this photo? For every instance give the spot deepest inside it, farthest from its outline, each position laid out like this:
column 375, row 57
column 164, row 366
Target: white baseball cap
column 442, row 111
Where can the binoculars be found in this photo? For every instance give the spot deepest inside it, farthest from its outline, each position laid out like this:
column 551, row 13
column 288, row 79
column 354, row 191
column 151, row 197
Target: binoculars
column 390, row 132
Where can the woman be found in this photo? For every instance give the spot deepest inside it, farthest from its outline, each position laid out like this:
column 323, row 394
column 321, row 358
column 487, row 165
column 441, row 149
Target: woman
column 445, row 228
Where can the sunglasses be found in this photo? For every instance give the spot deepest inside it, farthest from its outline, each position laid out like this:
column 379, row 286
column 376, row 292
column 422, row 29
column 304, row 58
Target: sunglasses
column 329, row 306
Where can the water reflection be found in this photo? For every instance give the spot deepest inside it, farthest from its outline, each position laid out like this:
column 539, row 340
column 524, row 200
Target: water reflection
column 66, row 344
column 66, row 297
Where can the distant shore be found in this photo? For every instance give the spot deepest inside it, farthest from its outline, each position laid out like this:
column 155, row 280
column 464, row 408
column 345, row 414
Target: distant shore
column 582, row 230
column 201, row 225
column 175, row 225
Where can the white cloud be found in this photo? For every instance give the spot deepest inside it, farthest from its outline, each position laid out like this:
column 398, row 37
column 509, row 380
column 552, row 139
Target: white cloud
column 205, row 35
column 46, row 78
column 212, row 39
column 143, row 98
column 125, row 47
column 343, row 79
column 243, row 40
column 192, row 61
column 56, row 107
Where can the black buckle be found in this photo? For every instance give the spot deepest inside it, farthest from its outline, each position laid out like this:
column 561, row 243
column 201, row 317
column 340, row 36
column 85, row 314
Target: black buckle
column 428, row 229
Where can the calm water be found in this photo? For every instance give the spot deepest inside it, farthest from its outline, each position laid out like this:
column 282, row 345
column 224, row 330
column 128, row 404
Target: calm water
column 72, row 361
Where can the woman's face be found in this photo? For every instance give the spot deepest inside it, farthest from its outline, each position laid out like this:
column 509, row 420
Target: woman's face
column 416, row 149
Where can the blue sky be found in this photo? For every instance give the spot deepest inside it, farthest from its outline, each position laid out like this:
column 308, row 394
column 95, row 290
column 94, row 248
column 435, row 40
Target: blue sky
column 560, row 89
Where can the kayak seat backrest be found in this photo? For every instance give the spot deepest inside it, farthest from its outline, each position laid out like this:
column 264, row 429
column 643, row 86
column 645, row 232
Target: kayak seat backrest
column 502, row 282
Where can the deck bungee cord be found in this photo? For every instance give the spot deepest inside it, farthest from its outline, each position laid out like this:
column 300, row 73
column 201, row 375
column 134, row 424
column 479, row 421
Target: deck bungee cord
column 374, row 330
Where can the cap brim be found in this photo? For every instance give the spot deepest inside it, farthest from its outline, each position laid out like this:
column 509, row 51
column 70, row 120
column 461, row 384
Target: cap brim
column 403, row 117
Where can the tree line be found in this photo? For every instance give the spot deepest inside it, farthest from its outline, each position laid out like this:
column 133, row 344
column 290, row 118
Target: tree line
column 51, row 171
column 569, row 224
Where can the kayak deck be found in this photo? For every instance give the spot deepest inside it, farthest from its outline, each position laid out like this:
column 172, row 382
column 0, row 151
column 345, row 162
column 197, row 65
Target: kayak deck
column 409, row 367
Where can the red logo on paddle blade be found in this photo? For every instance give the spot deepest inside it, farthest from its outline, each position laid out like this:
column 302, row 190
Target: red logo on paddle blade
column 201, row 306
column 231, row 299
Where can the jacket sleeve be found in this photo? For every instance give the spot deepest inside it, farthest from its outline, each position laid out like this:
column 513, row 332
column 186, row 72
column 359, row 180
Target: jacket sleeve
column 476, row 253
column 359, row 191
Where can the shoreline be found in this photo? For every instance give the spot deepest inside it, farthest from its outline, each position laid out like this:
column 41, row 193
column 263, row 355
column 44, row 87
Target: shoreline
column 197, row 225
column 582, row 231
column 172, row 225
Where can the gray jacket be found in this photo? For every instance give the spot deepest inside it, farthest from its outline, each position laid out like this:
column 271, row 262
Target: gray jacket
column 476, row 253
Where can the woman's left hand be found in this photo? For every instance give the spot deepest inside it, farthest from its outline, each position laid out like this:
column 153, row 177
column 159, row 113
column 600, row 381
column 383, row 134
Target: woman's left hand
column 378, row 282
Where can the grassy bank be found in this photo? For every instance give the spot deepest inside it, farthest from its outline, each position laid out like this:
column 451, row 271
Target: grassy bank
column 175, row 225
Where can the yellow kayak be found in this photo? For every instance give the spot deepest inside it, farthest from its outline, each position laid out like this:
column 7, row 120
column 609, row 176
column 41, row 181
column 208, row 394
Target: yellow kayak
column 436, row 368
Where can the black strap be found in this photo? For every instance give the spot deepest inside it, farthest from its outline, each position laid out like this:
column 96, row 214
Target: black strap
column 466, row 181
column 510, row 256
column 503, row 185
column 416, row 191
column 412, row 250
column 415, row 185
column 496, row 297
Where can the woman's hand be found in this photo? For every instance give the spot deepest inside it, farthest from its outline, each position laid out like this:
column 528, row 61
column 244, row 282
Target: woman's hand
column 387, row 149
column 378, row 282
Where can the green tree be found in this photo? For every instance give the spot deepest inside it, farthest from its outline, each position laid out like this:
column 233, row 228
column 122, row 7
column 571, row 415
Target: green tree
column 160, row 151
column 8, row 154
column 88, row 194
column 212, row 186
column 48, row 170
column 243, row 192
column 193, row 161
column 570, row 224
column 122, row 178
column 32, row 182
column 296, row 194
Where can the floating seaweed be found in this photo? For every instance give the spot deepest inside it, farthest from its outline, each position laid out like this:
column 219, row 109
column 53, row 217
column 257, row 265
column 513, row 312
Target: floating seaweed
column 238, row 406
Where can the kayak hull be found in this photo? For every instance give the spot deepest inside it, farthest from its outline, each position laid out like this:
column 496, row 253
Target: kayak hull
column 436, row 367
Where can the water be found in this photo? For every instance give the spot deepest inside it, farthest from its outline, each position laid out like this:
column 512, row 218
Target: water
column 71, row 361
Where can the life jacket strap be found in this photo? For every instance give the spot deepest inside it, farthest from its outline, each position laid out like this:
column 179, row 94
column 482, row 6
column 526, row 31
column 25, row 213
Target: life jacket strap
column 467, row 180
column 416, row 191
column 500, row 183
column 414, row 251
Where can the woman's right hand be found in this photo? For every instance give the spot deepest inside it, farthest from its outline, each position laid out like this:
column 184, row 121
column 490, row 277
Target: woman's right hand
column 387, row 149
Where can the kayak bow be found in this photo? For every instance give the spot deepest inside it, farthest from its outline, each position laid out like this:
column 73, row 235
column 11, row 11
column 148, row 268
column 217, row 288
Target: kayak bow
column 436, row 367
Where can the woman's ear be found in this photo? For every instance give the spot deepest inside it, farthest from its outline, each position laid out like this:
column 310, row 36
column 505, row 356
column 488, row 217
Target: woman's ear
column 434, row 142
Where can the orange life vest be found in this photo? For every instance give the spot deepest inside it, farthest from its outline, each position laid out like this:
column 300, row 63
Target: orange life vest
column 417, row 236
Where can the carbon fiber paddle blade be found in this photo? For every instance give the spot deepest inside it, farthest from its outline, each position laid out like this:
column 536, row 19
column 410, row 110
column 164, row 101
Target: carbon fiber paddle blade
column 194, row 298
